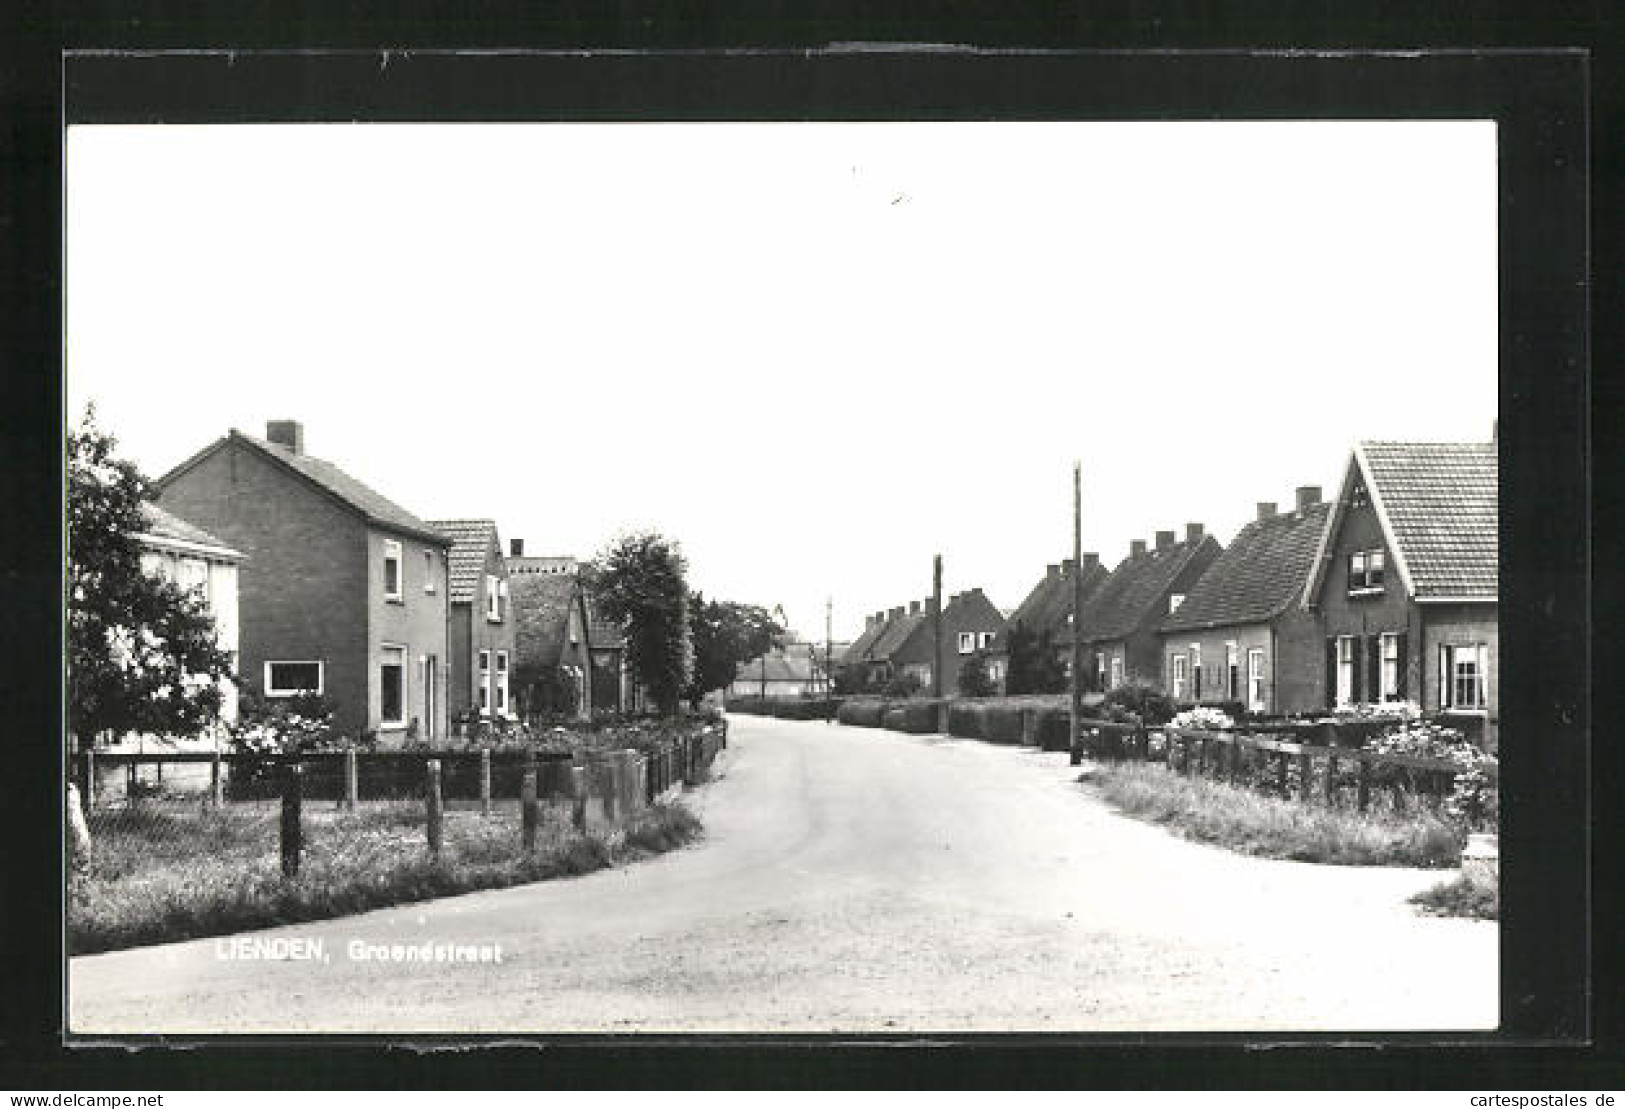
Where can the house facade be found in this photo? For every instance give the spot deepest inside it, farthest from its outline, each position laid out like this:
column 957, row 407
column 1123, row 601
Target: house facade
column 1241, row 637
column 342, row 592
column 480, row 635
column 1046, row 613
column 1405, row 582
column 901, row 641
column 554, row 657
column 1121, row 622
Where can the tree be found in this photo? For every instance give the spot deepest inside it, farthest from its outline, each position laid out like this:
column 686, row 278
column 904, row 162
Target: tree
column 974, row 680
column 726, row 634
column 1033, row 665
column 143, row 653
column 639, row 582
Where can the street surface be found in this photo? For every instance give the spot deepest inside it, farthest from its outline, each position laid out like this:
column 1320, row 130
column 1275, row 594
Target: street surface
column 853, row 879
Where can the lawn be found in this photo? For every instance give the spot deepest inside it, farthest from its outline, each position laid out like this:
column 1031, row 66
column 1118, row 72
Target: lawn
column 164, row 872
column 1272, row 827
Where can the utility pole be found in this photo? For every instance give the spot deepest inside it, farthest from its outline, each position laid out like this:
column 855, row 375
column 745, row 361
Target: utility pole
column 829, row 656
column 936, row 643
column 1076, row 746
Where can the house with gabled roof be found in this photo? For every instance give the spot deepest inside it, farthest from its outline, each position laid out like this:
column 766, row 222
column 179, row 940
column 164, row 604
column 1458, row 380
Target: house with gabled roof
column 554, row 667
column 481, row 635
column 1046, row 613
column 903, row 641
column 1119, row 624
column 1241, row 637
column 1405, row 580
column 342, row 592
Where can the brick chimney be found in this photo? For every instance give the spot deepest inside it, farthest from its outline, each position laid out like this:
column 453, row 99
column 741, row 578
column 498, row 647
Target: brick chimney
column 516, row 547
column 286, row 433
column 898, row 611
column 1136, row 548
column 1266, row 509
column 1068, row 565
column 914, row 608
column 1091, row 559
column 1193, row 533
column 1165, row 539
column 1051, row 570
column 1308, row 495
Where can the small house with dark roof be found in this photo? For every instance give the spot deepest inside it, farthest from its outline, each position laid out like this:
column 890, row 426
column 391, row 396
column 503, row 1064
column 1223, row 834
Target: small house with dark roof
column 480, row 639
column 1241, row 637
column 342, row 592
column 1046, row 613
column 1120, row 622
column 553, row 668
column 183, row 553
column 902, row 640
column 1405, row 580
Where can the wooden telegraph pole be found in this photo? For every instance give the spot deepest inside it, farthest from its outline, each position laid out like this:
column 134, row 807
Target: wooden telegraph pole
column 1076, row 746
column 936, row 643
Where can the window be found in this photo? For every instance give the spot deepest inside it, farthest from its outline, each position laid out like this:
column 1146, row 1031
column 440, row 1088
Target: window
column 1464, row 675
column 1100, row 670
column 1232, row 673
column 1180, row 663
column 1345, row 669
column 286, row 679
column 194, row 574
column 392, row 570
column 501, row 702
column 428, row 571
column 493, row 600
column 967, row 642
column 1117, row 671
column 983, row 640
column 1388, row 679
column 1175, row 600
column 1196, row 671
column 392, row 688
column 1255, row 680
column 1365, row 571
column 485, row 683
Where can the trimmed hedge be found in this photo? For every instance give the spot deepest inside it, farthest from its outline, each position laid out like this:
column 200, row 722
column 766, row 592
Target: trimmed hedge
column 914, row 717
column 966, row 721
column 861, row 714
column 805, row 709
column 1001, row 724
column 1054, row 729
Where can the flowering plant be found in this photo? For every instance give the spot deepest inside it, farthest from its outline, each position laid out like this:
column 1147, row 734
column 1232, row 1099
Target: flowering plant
column 1381, row 710
column 1202, row 719
column 300, row 723
column 1474, row 800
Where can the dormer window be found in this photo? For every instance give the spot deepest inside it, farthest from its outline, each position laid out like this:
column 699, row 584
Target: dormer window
column 1175, row 600
column 392, row 570
column 1366, row 572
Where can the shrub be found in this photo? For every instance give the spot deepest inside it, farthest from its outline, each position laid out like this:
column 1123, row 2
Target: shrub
column 1054, row 729
column 1202, row 720
column 861, row 714
column 1461, row 896
column 915, row 717
column 1473, row 803
column 974, row 680
column 1139, row 701
column 1001, row 724
column 903, row 685
column 965, row 721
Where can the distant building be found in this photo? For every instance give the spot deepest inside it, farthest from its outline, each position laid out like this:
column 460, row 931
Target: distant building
column 480, row 639
column 1121, row 620
column 342, row 591
column 797, row 669
column 1047, row 611
column 554, row 660
column 901, row 641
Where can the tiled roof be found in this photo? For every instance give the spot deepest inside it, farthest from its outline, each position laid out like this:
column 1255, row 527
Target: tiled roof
column 1050, row 603
column 1258, row 576
column 1137, row 586
column 541, row 607
column 781, row 666
column 895, row 634
column 601, row 633
column 471, row 541
column 1441, row 502
column 365, row 500
column 859, row 647
column 163, row 524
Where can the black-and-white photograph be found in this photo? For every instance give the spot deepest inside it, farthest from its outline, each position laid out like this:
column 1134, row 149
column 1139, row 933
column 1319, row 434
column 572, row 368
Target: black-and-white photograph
column 889, row 577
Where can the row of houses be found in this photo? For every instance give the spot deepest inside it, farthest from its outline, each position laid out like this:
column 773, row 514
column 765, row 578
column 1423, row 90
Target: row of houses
column 320, row 584
column 1386, row 593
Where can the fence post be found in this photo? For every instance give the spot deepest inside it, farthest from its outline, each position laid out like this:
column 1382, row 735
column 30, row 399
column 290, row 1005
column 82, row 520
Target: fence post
column 1331, row 780
column 578, row 797
column 293, row 780
column 90, row 778
column 1281, row 772
column 485, row 781
column 527, row 805
column 1398, row 790
column 1365, row 784
column 352, row 786
column 436, row 808
column 216, row 787
column 1170, row 742
column 1306, row 783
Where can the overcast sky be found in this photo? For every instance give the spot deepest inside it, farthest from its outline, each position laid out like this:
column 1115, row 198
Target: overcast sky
column 816, row 354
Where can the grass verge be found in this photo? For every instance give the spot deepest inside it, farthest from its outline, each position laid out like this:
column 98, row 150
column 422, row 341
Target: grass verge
column 159, row 877
column 1461, row 896
column 1253, row 824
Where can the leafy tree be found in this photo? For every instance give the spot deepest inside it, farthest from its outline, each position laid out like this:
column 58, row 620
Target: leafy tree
column 903, row 684
column 1034, row 667
column 142, row 652
column 974, row 680
column 851, row 679
column 639, row 582
column 726, row 634
column 1139, row 700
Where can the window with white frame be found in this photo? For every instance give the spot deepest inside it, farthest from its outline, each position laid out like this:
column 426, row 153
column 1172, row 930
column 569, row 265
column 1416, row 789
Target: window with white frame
column 1464, row 674
column 493, row 600
column 1196, row 671
column 1366, row 571
column 1100, row 670
column 1345, row 669
column 983, row 640
column 288, row 679
column 1117, row 671
column 967, row 642
column 1255, row 679
column 1175, row 600
column 1232, row 672
column 1388, row 675
column 501, row 688
column 428, row 571
column 485, row 683
column 1179, row 671
column 392, row 687
column 392, row 570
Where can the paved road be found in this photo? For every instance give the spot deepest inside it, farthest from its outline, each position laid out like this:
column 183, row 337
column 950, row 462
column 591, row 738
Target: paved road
column 860, row 880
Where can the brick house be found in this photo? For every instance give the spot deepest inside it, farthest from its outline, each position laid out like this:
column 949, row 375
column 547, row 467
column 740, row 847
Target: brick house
column 1121, row 621
column 342, row 591
column 901, row 641
column 1242, row 636
column 1405, row 581
column 1047, row 611
column 480, row 635
column 554, row 667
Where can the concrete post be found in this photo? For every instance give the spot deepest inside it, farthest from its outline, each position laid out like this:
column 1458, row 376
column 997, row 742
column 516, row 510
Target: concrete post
column 293, row 781
column 436, row 810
